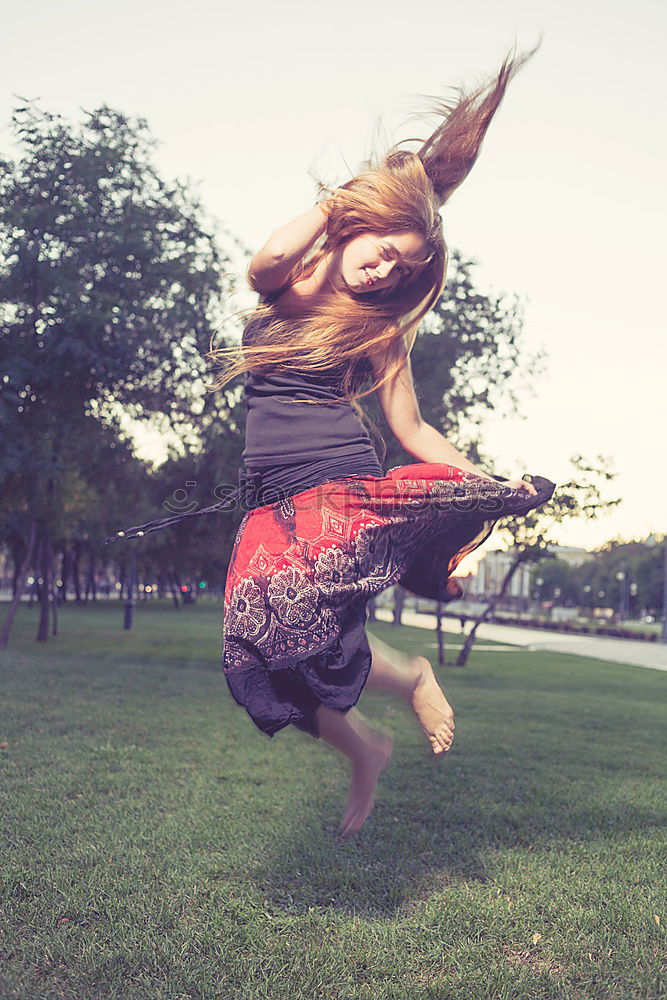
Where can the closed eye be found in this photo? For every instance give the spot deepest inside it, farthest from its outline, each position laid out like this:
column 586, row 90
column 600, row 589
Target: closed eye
column 390, row 254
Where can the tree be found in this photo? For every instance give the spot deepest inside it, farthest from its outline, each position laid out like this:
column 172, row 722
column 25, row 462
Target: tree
column 198, row 548
column 642, row 583
column 558, row 576
column 110, row 284
column 531, row 536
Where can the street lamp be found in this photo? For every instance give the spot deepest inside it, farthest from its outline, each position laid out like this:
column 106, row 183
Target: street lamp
column 586, row 605
column 651, row 541
column 634, row 590
column 620, row 576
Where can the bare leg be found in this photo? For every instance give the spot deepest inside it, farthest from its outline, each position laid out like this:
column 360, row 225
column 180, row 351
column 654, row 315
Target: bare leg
column 369, row 751
column 413, row 679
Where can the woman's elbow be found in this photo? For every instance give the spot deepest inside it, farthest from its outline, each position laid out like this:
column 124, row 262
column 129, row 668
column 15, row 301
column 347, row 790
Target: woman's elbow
column 266, row 271
column 406, row 432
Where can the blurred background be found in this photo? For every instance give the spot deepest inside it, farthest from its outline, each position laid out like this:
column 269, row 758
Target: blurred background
column 181, row 137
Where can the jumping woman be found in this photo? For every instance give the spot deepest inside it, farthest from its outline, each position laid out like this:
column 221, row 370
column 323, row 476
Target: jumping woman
column 342, row 291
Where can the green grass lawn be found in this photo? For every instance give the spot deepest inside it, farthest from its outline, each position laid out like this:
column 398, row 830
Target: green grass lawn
column 157, row 846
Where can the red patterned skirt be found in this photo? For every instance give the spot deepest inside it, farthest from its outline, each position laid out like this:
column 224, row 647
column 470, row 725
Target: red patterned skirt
column 303, row 568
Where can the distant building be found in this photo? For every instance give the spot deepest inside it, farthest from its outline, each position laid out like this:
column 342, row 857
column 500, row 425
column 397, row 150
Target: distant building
column 492, row 570
column 570, row 554
column 493, row 567
column 6, row 567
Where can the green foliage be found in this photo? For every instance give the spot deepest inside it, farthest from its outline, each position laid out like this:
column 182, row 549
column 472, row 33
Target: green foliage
column 582, row 497
column 531, row 539
column 555, row 573
column 111, row 283
column 108, row 275
column 583, row 585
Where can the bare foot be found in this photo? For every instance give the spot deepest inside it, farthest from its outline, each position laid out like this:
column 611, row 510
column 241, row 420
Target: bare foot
column 431, row 707
column 365, row 773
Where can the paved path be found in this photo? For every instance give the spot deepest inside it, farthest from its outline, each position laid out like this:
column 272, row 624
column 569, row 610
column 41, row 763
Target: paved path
column 634, row 652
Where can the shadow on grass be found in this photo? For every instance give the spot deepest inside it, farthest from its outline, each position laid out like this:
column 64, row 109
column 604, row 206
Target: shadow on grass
column 400, row 861
column 550, row 778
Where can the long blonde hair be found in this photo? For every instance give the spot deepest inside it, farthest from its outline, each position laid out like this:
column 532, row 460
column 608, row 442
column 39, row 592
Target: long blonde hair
column 403, row 191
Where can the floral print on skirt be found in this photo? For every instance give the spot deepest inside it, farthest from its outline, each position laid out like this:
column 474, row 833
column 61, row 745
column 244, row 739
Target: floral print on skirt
column 303, row 568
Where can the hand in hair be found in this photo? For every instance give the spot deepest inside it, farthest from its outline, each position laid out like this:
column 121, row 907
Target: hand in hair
column 270, row 267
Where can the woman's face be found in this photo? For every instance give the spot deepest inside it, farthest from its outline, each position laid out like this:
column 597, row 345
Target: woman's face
column 373, row 261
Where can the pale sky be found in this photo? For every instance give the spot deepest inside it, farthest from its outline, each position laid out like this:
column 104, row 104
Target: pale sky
column 562, row 208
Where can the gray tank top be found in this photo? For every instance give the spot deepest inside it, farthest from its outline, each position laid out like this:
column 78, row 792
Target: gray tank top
column 296, row 445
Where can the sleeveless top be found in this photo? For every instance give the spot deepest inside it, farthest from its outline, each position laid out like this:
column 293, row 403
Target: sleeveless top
column 296, row 445
column 290, row 447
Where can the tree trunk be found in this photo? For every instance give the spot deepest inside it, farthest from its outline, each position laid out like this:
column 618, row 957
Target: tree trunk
column 64, row 573
column 20, row 585
column 91, row 586
column 18, row 558
column 53, row 591
column 174, row 591
column 44, row 592
column 76, row 552
column 488, row 610
column 399, row 600
column 128, row 619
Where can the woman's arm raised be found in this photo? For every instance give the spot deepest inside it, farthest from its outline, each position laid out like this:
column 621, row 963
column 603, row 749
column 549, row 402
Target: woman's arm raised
column 269, row 268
